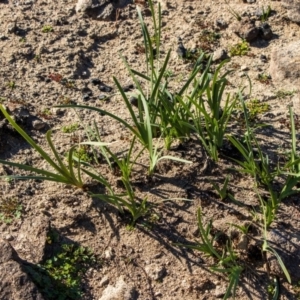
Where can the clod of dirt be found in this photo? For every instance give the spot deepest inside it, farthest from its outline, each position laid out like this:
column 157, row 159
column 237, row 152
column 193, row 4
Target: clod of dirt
column 293, row 9
column 246, row 29
column 31, row 240
column 15, row 283
column 287, row 244
column 121, row 291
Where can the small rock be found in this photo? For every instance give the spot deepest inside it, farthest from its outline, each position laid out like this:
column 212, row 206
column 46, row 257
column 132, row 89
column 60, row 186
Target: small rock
column 265, row 31
column 246, row 29
column 121, row 291
column 220, row 291
column 285, row 65
column 105, row 88
column 155, row 272
column 109, row 254
column 104, row 281
column 101, row 68
column 243, row 242
column 134, row 101
column 85, row 97
column 221, row 23
column 95, row 81
column 3, row 37
column 14, row 282
column 83, row 5
column 9, row 237
column 244, row 68
column 293, row 9
column 38, row 124
column 263, row 58
column 12, row 27
column 128, row 87
column 102, row 97
column 219, row 55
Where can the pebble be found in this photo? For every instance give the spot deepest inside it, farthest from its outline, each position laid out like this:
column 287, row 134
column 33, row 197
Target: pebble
column 244, row 68
column 38, row 124
column 155, row 272
column 104, row 281
column 220, row 291
column 243, row 242
column 221, row 23
column 134, row 101
column 266, row 31
column 219, row 54
column 105, row 88
column 108, row 254
column 9, row 237
column 102, row 97
column 95, row 81
column 85, row 97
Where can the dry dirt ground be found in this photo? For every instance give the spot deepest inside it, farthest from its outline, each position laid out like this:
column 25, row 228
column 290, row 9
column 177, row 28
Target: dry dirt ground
column 41, row 69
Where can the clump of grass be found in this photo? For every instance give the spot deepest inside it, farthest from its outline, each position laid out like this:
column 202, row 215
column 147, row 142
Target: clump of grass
column 265, row 13
column 240, row 49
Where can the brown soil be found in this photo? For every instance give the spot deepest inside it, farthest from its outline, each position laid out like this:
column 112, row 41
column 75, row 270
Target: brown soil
column 79, row 49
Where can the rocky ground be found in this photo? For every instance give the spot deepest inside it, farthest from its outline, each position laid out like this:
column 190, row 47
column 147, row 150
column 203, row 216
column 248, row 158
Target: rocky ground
column 63, row 52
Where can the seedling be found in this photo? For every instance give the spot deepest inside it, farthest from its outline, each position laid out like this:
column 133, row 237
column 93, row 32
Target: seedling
column 233, row 12
column 265, row 14
column 47, row 28
column 240, row 49
column 228, row 262
column 222, row 192
column 65, row 172
column 70, row 128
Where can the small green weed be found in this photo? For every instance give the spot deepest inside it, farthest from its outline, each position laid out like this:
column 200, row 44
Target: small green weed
column 22, row 40
column 240, row 49
column 60, row 276
column 255, row 108
column 10, row 209
column 70, row 128
column 281, row 94
column 81, row 153
column 2, row 99
column 264, row 78
column 11, row 85
column 47, row 28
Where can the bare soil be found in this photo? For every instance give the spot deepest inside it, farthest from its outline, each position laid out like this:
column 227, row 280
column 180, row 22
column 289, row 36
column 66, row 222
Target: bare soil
column 79, row 49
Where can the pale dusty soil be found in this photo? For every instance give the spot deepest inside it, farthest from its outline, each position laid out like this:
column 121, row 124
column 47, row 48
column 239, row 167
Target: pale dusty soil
column 80, row 49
